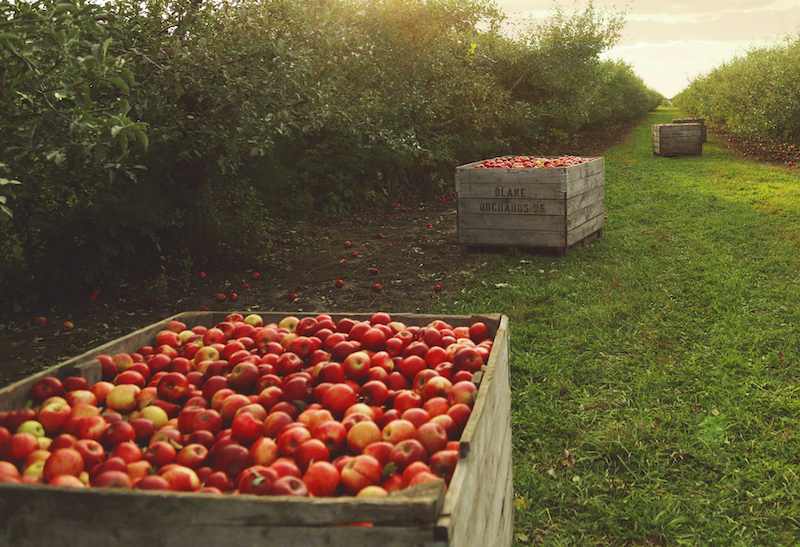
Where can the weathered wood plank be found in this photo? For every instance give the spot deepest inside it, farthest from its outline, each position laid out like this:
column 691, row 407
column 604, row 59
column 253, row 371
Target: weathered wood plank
column 598, row 180
column 488, row 518
column 589, row 227
column 483, row 221
column 581, row 216
column 511, row 238
column 467, row 190
column 506, row 206
column 701, row 121
column 585, row 199
column 584, row 170
column 505, row 176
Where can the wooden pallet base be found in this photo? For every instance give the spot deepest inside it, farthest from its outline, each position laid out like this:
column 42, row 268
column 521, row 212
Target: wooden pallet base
column 539, row 251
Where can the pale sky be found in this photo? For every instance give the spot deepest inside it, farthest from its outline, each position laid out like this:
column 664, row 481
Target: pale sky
column 668, row 42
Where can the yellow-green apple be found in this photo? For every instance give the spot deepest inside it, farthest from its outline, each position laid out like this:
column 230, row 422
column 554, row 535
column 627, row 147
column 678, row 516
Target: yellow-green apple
column 122, row 398
column 372, row 491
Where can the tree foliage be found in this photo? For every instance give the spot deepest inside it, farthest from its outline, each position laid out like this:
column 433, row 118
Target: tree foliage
column 754, row 94
column 162, row 133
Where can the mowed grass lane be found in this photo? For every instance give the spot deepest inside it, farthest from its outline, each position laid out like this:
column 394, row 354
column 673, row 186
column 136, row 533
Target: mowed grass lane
column 656, row 373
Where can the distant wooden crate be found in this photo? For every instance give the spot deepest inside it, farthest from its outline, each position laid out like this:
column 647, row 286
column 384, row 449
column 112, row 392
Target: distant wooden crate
column 539, row 208
column 701, row 121
column 477, row 510
column 677, row 139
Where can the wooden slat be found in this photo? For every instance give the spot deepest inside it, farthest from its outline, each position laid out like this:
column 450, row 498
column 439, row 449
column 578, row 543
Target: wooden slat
column 579, row 217
column 510, row 206
column 483, row 221
column 530, row 191
column 589, row 227
column 584, row 170
column 37, row 516
column 598, row 180
column 511, row 238
column 553, row 175
column 585, row 199
column 478, row 508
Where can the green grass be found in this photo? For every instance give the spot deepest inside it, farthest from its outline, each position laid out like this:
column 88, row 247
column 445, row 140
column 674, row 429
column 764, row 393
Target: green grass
column 656, row 373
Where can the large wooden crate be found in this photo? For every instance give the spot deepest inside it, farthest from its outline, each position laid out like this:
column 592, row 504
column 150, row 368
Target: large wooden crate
column 677, row 139
column 701, row 121
column 476, row 510
column 550, row 208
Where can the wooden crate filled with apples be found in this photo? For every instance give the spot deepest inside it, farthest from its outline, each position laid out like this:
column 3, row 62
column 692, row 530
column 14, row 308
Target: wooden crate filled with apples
column 210, row 428
column 531, row 202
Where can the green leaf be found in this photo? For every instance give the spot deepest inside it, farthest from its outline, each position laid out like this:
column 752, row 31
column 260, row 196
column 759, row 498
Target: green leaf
column 128, row 75
column 120, row 83
column 7, row 211
column 3, row 199
column 141, row 136
column 97, row 52
column 3, row 181
column 61, row 8
column 123, row 142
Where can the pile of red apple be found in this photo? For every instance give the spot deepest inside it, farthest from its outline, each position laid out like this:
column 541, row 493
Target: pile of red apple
column 304, row 407
column 531, row 162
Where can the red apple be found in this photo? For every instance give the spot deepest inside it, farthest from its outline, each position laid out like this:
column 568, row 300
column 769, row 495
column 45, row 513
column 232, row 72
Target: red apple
column 182, row 479
column 309, row 451
column 192, row 456
column 463, row 393
column 112, row 479
column 289, row 486
column 152, row 482
column 246, row 428
column 406, row 452
column 46, row 387
column 360, row 472
column 322, row 479
column 333, row 434
column 64, row 461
